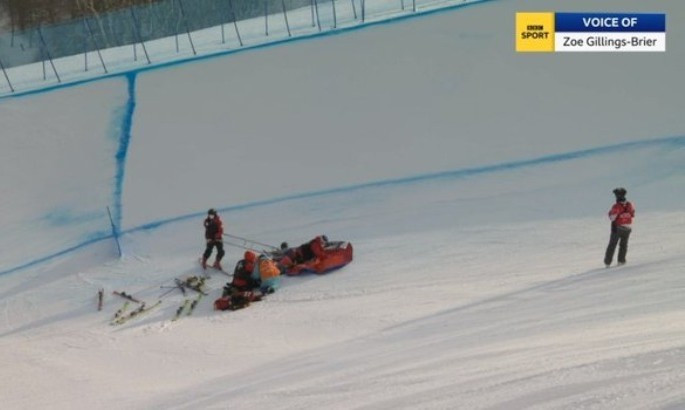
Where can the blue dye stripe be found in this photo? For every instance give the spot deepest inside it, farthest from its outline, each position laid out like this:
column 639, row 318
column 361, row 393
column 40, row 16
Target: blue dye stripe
column 54, row 255
column 122, row 151
column 452, row 174
column 304, row 37
column 120, row 157
column 676, row 141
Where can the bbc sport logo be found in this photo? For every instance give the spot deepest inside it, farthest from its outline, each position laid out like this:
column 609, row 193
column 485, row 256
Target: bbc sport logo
column 590, row 32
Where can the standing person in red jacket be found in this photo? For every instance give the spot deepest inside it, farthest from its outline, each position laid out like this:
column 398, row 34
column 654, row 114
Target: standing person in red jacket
column 621, row 215
column 214, row 232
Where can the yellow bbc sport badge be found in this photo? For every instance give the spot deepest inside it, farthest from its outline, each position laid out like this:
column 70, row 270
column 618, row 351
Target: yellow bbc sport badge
column 535, row 32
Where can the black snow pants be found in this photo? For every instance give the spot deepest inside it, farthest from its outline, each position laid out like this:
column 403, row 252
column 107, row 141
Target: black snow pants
column 219, row 249
column 619, row 235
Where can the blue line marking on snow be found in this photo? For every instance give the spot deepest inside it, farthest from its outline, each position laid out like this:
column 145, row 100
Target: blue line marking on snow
column 452, row 174
column 303, row 37
column 122, row 151
column 676, row 141
column 52, row 256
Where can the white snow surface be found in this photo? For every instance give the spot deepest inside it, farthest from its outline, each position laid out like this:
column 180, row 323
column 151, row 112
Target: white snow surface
column 472, row 181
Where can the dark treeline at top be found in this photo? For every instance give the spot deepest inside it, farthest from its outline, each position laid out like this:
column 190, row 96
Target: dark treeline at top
column 30, row 13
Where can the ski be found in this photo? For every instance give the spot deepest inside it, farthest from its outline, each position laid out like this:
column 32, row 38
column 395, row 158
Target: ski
column 213, row 268
column 222, row 271
column 198, row 290
column 194, row 304
column 101, row 297
column 142, row 309
column 126, row 296
column 181, row 309
column 194, row 283
column 121, row 311
column 179, row 284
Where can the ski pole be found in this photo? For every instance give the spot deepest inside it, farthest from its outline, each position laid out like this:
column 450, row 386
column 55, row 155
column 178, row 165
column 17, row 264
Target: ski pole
column 251, row 241
column 171, row 289
column 263, row 251
column 241, row 246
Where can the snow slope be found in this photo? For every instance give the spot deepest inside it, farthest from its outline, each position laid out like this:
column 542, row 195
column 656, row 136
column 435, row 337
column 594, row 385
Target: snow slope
column 477, row 280
column 58, row 167
column 425, row 95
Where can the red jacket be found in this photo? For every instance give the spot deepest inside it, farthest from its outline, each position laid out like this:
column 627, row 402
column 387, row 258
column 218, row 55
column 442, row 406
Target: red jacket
column 317, row 244
column 242, row 274
column 214, row 228
column 622, row 213
column 236, row 301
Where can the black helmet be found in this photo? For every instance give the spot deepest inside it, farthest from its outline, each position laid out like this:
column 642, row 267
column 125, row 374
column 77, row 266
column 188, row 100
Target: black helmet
column 211, row 211
column 284, row 245
column 620, row 192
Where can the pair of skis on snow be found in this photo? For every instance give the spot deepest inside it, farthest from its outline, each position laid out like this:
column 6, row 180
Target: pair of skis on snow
column 187, row 308
column 193, row 283
column 122, row 316
column 101, row 297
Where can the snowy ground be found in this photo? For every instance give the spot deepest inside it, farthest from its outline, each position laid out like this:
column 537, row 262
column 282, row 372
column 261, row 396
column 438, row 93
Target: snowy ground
column 459, row 297
column 476, row 284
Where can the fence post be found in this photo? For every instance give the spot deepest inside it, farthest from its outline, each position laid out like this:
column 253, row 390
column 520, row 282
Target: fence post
column 335, row 19
column 235, row 23
column 363, row 10
column 318, row 21
column 2, row 66
column 413, row 5
column 185, row 20
column 92, row 36
column 137, row 33
column 311, row 2
column 285, row 16
column 354, row 9
column 42, row 60
column 266, row 17
column 85, row 48
column 42, row 39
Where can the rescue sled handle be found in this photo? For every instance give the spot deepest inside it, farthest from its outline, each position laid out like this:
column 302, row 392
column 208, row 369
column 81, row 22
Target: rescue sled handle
column 247, row 248
column 247, row 242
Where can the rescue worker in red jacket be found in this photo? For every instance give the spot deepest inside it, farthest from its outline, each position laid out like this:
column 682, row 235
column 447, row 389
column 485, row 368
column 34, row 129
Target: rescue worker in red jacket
column 242, row 274
column 214, row 232
column 311, row 250
column 621, row 216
